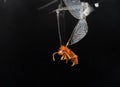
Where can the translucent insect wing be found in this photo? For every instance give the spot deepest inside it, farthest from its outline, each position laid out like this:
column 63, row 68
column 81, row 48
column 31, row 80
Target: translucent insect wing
column 72, row 4
column 79, row 32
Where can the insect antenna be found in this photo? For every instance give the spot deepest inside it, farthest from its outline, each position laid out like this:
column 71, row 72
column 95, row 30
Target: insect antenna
column 58, row 22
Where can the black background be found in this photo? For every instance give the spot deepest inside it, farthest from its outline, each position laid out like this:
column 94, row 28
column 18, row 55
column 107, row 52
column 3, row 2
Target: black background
column 28, row 37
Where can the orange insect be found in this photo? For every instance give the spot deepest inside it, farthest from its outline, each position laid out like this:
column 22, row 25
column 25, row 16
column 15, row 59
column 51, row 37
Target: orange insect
column 66, row 54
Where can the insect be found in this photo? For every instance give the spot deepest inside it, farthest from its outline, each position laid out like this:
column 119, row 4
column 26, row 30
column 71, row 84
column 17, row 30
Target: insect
column 79, row 10
column 66, row 54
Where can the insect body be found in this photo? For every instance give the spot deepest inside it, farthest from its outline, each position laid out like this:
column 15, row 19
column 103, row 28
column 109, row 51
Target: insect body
column 66, row 54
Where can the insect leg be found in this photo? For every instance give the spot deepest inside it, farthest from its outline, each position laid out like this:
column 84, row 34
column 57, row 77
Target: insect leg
column 74, row 60
column 54, row 55
column 64, row 57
